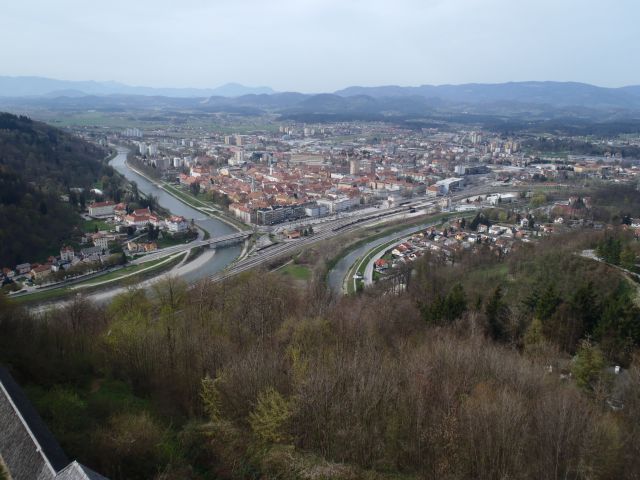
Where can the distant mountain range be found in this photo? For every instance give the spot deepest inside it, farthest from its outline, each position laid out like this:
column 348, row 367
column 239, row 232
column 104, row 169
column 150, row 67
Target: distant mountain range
column 561, row 94
column 500, row 105
column 558, row 94
column 40, row 86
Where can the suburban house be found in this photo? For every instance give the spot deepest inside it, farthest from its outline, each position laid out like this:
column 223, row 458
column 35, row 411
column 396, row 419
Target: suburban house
column 8, row 273
column 135, row 247
column 138, row 220
column 120, row 210
column 92, row 254
column 102, row 209
column 28, row 450
column 23, row 268
column 67, row 254
column 41, row 272
column 177, row 224
column 101, row 240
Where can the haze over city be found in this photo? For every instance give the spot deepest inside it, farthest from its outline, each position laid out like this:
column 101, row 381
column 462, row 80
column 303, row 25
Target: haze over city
column 316, row 46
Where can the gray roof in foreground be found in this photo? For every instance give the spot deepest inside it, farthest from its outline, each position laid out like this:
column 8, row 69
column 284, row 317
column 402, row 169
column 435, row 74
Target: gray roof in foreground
column 27, row 447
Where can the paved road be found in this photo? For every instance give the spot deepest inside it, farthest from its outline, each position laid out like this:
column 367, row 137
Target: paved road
column 336, row 227
column 188, row 246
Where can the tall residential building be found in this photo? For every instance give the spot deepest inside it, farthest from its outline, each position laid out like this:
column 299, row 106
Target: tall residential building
column 133, row 132
column 354, row 166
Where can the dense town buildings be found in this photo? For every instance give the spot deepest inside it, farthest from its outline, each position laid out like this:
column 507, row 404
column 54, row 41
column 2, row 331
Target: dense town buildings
column 304, row 170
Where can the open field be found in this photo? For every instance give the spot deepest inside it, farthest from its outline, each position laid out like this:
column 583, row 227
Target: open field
column 299, row 272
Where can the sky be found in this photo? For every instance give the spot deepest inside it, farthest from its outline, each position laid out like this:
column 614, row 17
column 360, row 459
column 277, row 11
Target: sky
column 322, row 45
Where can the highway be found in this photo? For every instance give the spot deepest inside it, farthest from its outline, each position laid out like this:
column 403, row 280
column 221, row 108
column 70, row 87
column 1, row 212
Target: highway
column 335, row 227
column 323, row 230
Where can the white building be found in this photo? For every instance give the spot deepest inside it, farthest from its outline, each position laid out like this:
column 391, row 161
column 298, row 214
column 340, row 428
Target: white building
column 101, row 241
column 23, row 268
column 501, row 198
column 316, row 211
column 338, row 204
column 102, row 209
column 449, row 184
column 354, row 166
column 67, row 254
column 237, row 159
column 241, row 212
column 153, row 149
column 133, row 132
column 177, row 224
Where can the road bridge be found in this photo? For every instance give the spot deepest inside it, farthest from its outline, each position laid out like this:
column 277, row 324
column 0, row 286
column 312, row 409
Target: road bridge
column 213, row 242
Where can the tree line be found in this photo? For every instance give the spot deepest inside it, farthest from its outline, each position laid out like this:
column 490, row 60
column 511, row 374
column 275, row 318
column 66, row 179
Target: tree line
column 462, row 375
column 39, row 164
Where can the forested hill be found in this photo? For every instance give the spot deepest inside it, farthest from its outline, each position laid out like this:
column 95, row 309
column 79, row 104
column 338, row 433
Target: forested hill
column 38, row 164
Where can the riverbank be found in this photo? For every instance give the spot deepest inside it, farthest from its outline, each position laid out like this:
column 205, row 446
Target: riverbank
column 212, row 226
column 340, row 264
column 191, row 269
column 189, row 200
column 59, row 296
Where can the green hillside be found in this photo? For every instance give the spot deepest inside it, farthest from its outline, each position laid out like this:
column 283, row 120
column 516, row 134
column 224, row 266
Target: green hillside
column 39, row 164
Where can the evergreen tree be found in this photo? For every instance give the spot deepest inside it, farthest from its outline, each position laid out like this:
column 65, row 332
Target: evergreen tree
column 609, row 250
column 547, row 303
column 587, row 365
column 455, row 303
column 628, row 258
column 534, row 339
column 434, row 312
column 496, row 312
column 618, row 329
column 584, row 304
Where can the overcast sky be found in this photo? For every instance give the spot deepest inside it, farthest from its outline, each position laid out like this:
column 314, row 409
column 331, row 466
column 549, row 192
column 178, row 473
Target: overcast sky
column 322, row 45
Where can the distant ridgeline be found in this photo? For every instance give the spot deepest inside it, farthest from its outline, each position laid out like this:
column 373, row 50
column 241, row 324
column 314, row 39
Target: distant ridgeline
column 40, row 164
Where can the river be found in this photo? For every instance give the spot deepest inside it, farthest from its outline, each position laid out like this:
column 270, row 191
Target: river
column 223, row 256
column 337, row 274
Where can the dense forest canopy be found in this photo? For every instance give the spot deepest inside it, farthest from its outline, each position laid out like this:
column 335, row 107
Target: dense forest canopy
column 463, row 375
column 38, row 164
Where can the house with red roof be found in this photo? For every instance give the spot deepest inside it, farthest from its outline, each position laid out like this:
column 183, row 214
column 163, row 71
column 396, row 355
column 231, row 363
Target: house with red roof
column 102, row 209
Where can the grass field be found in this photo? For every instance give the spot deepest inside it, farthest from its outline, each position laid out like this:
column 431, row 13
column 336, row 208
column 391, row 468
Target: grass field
column 299, row 272
column 187, row 197
column 110, row 278
column 90, row 226
column 202, row 204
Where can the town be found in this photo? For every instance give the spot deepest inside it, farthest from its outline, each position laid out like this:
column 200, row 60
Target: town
column 120, row 233
column 310, row 171
column 285, row 178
